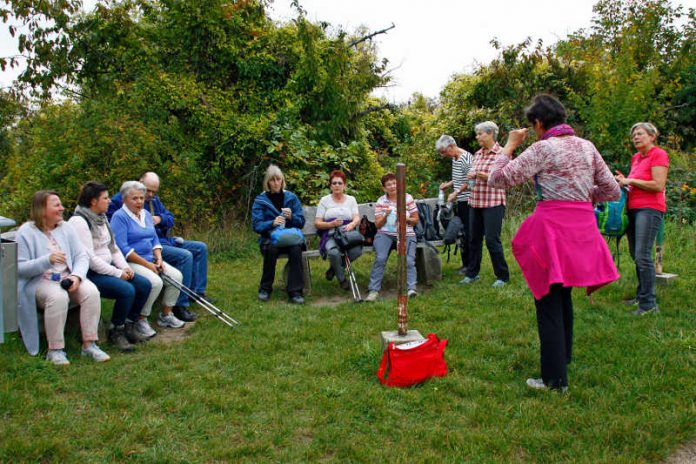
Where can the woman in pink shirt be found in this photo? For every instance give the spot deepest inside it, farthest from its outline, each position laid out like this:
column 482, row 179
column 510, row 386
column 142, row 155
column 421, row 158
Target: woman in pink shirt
column 646, row 205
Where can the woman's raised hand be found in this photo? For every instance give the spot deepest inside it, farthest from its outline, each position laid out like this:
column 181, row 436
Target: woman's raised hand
column 517, row 136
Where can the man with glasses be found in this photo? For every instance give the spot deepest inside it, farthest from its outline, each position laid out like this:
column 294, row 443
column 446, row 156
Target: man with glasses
column 188, row 256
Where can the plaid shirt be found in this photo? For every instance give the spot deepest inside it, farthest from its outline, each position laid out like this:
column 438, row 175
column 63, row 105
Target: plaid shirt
column 483, row 196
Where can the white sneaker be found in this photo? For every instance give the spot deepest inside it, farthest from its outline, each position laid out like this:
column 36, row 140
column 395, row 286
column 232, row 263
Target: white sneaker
column 143, row 328
column 539, row 384
column 372, row 296
column 498, row 283
column 412, row 293
column 169, row 320
column 94, row 352
column 57, row 357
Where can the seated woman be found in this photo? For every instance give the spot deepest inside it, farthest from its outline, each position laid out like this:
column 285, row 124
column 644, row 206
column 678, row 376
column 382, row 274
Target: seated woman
column 52, row 271
column 387, row 235
column 108, row 269
column 336, row 210
column 276, row 207
column 135, row 235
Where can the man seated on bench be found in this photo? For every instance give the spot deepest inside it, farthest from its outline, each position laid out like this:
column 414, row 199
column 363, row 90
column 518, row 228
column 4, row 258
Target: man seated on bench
column 188, row 256
column 387, row 236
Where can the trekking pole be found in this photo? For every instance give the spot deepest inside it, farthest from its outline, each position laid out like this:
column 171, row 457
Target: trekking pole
column 212, row 309
column 353, row 282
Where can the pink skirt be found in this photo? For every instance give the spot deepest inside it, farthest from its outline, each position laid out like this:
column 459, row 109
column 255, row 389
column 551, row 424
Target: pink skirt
column 560, row 243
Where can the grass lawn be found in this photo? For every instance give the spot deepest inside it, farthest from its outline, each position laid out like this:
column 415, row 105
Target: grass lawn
column 298, row 384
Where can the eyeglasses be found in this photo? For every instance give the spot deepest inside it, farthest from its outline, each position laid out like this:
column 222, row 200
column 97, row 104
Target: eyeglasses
column 336, row 183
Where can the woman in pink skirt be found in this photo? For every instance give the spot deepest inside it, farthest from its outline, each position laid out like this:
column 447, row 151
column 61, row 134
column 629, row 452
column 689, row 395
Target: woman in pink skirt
column 559, row 246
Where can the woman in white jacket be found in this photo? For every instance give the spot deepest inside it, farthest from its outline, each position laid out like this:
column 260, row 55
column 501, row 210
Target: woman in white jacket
column 52, row 272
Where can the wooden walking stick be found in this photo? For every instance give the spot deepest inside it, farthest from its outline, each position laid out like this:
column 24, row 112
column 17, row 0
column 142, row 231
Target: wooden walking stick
column 402, row 298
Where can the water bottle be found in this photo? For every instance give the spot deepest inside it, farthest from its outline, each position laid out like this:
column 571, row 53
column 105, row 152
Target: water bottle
column 441, row 198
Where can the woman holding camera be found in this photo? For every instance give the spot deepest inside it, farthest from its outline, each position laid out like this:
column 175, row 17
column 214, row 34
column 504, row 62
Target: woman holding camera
column 52, row 272
column 337, row 210
column 276, row 208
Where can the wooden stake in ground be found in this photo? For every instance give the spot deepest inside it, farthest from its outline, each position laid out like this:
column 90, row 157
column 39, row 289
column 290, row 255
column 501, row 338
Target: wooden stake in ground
column 402, row 298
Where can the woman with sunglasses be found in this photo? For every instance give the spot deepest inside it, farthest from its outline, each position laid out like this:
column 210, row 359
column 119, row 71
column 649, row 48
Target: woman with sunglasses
column 337, row 210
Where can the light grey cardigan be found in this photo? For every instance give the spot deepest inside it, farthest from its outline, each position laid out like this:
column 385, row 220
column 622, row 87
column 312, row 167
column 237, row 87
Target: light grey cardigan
column 32, row 262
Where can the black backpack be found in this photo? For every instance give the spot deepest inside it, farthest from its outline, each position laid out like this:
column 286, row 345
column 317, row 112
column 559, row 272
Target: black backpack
column 425, row 230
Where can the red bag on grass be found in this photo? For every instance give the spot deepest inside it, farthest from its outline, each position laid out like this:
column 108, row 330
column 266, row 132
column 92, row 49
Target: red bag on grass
column 411, row 363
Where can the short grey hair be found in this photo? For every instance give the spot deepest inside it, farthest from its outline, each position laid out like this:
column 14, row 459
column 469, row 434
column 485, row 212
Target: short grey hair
column 647, row 127
column 273, row 172
column 129, row 185
column 489, row 127
column 445, row 141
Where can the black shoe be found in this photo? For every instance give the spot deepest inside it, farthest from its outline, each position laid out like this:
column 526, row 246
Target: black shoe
column 117, row 337
column 264, row 295
column 345, row 285
column 205, row 297
column 330, row 274
column 184, row 314
column 297, row 299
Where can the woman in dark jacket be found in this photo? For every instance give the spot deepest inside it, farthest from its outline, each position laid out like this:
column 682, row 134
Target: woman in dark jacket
column 276, row 208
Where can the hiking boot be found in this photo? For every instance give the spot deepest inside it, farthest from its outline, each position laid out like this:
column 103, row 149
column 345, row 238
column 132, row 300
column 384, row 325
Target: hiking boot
column 134, row 335
column 57, row 357
column 412, row 293
column 469, row 280
column 631, row 302
column 117, row 337
column 345, row 285
column 498, row 283
column 330, row 274
column 94, row 352
column 184, row 314
column 170, row 321
column 296, row 299
column 142, row 326
column 372, row 295
column 538, row 384
column 642, row 312
column 264, row 295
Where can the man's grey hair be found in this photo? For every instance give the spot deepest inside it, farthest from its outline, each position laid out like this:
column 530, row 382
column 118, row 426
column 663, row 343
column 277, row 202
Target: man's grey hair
column 489, row 127
column 647, row 127
column 129, row 185
column 444, row 141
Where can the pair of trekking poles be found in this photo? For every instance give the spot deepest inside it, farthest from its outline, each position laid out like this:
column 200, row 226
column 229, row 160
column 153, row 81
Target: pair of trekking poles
column 212, row 309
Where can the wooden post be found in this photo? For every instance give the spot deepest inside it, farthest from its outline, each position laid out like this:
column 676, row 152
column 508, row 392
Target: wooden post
column 402, row 298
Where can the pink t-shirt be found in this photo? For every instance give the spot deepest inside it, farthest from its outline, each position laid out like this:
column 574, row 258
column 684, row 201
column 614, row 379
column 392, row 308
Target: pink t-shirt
column 641, row 168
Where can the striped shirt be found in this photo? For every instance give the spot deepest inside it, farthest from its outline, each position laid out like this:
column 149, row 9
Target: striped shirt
column 483, row 196
column 460, row 168
column 390, row 227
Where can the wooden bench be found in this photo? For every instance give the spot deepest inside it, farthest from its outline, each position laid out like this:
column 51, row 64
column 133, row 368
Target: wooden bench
column 364, row 209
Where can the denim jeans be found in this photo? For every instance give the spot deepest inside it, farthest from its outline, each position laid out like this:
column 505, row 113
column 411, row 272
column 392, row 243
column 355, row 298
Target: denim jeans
column 487, row 222
column 130, row 295
column 383, row 245
column 643, row 224
column 191, row 258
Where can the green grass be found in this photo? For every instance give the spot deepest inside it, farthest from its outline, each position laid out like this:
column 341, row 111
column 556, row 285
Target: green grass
column 298, row 384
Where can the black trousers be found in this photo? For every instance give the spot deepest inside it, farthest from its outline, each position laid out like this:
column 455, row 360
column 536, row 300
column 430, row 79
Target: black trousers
column 295, row 283
column 555, row 323
column 487, row 222
column 462, row 211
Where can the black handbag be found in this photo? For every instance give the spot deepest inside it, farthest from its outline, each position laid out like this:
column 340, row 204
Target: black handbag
column 347, row 239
